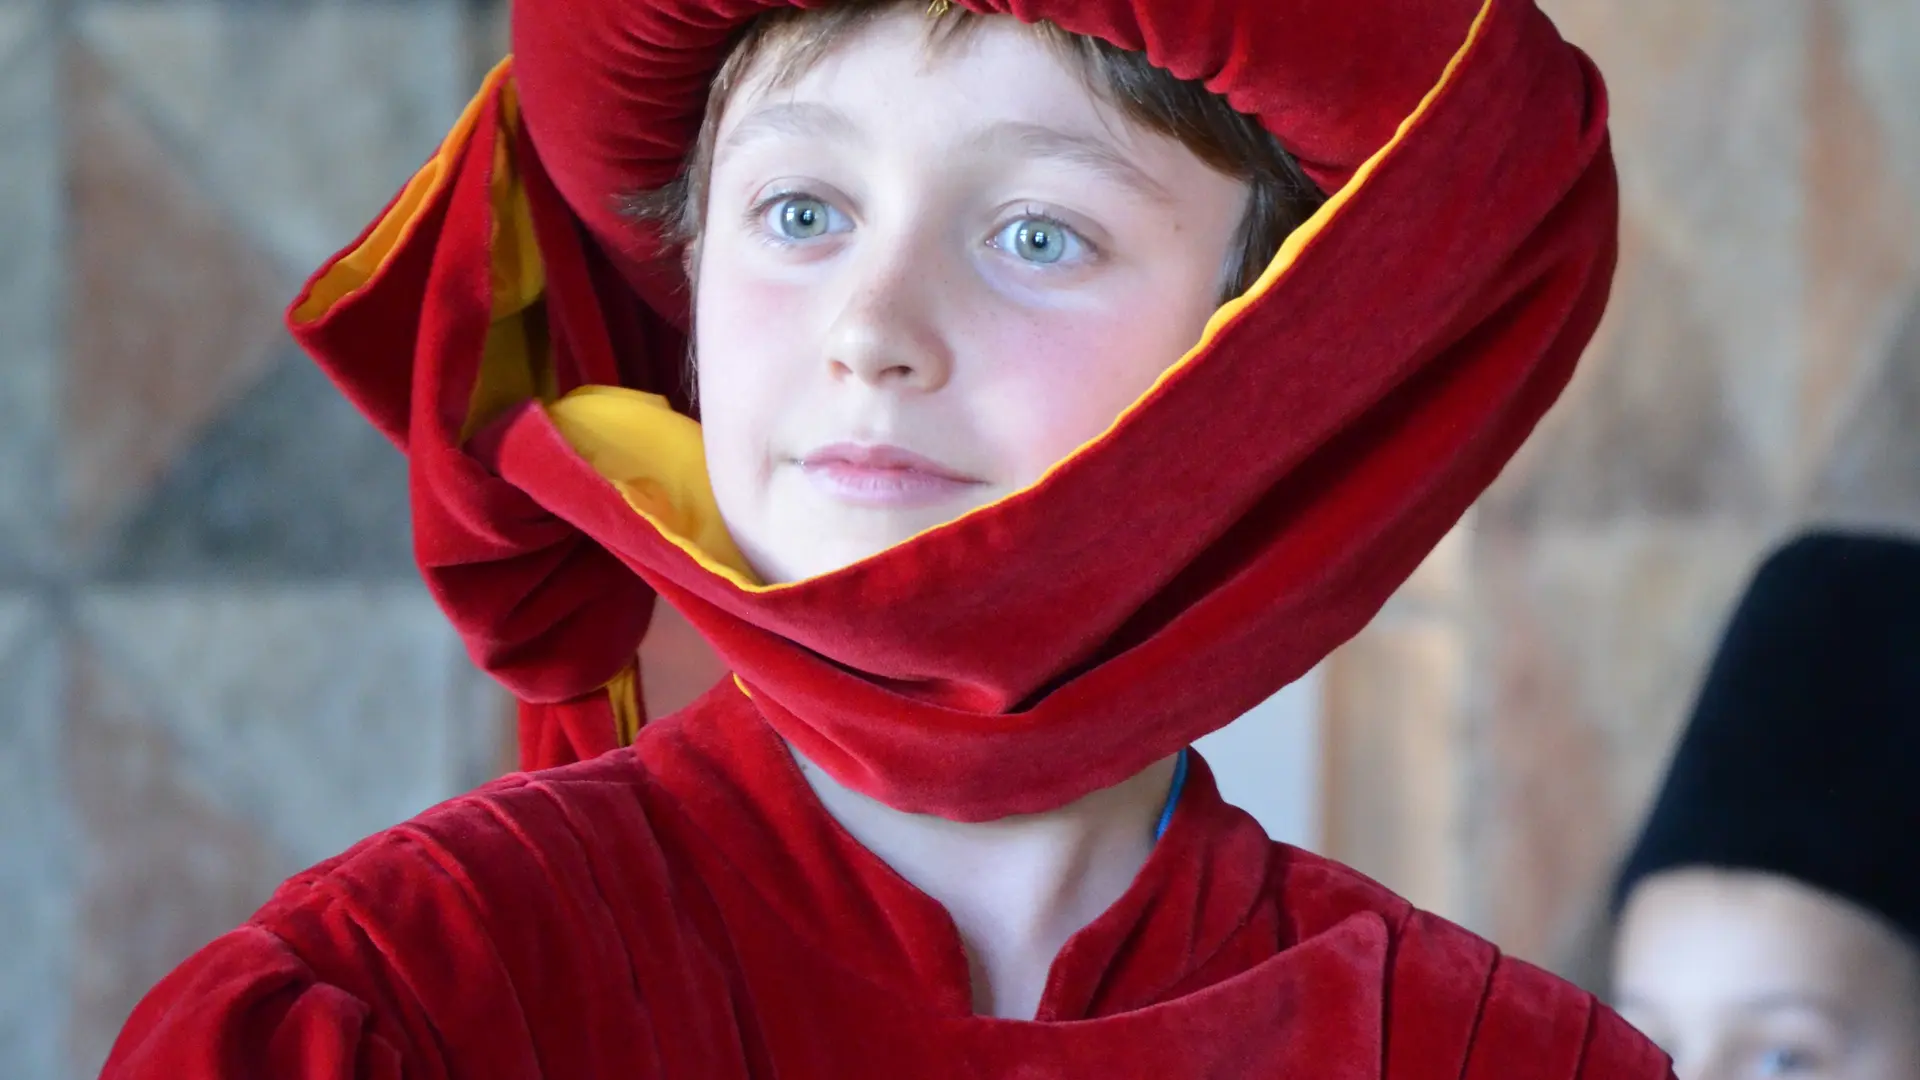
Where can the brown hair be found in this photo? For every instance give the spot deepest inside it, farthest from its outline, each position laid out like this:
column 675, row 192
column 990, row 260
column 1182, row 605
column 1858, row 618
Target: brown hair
column 1281, row 197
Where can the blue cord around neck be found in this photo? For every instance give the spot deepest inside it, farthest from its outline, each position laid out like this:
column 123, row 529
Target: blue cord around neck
column 1173, row 796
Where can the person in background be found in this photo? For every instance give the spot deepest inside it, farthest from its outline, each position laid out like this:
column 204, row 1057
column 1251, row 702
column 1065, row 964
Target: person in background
column 1769, row 916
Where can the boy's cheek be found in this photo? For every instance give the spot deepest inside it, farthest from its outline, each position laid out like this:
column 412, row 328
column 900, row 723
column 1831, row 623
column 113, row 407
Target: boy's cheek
column 1058, row 390
column 738, row 305
column 750, row 339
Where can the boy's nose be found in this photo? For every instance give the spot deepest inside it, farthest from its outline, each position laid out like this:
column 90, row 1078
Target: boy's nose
column 887, row 337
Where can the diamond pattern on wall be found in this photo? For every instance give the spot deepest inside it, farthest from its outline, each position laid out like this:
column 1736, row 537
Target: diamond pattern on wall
column 18, row 22
column 219, row 740
column 35, row 849
column 1573, row 748
column 319, row 714
column 303, row 119
column 173, row 313
column 268, row 682
column 164, row 868
column 1873, row 475
column 1880, row 43
column 1862, row 237
column 290, row 483
column 30, row 260
column 1709, row 133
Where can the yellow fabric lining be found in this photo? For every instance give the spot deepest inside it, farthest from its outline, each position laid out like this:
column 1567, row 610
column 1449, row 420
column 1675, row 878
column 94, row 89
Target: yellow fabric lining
column 642, row 445
column 353, row 270
column 516, row 363
column 623, row 692
column 654, row 457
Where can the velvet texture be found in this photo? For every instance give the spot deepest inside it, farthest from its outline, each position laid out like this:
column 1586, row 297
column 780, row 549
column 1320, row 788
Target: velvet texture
column 1799, row 756
column 685, row 909
column 1241, row 521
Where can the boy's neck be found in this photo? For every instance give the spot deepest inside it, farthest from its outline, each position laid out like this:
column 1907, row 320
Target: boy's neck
column 1019, row 887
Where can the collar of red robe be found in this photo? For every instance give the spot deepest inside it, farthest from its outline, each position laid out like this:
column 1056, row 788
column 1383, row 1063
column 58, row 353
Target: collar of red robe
column 1245, row 517
column 1202, row 911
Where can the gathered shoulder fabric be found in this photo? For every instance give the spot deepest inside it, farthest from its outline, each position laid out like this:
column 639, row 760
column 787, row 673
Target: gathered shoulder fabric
column 685, row 909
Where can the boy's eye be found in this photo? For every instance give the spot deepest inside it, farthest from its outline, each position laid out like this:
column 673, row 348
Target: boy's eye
column 800, row 217
column 1038, row 240
column 803, row 218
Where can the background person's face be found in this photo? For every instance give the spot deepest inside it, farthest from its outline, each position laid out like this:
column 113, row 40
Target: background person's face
column 925, row 279
column 1742, row 975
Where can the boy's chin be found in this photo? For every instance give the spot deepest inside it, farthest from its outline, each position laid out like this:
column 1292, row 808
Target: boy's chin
column 817, row 549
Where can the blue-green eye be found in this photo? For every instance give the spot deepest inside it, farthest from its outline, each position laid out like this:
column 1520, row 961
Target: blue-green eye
column 801, row 217
column 1038, row 240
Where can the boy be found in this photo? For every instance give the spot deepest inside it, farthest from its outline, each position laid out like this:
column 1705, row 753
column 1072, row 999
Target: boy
column 985, row 538
column 1770, row 913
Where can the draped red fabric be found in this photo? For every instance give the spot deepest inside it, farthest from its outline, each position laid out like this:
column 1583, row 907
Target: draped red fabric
column 1144, row 593
column 685, row 907
column 683, row 910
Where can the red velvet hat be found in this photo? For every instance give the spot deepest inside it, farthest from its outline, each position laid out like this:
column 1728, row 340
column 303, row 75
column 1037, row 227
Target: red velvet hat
column 522, row 341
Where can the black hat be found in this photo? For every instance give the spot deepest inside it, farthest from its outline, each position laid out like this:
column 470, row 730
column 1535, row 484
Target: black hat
column 1803, row 754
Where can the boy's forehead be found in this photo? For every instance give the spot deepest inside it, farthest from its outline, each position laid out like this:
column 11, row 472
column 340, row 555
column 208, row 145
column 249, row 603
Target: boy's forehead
column 1003, row 75
column 898, row 45
column 793, row 47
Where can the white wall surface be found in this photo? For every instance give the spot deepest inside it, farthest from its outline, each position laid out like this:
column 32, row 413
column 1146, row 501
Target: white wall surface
column 1268, row 762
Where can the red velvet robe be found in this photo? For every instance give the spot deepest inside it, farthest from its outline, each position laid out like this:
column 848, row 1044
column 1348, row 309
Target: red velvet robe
column 686, row 909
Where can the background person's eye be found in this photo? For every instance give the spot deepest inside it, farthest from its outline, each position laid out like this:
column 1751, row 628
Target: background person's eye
column 1786, row 1060
column 1038, row 240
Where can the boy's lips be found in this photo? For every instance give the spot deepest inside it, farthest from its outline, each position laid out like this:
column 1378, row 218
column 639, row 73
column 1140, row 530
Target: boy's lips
column 882, row 475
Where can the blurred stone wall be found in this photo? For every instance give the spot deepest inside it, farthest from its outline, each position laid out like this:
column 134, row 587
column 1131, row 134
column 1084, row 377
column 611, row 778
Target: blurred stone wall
column 216, row 663
column 1495, row 736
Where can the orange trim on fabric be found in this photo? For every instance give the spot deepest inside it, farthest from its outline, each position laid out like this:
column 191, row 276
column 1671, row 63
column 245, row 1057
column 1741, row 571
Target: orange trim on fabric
column 606, row 425
column 1290, row 249
column 356, row 268
column 1297, row 241
column 516, row 362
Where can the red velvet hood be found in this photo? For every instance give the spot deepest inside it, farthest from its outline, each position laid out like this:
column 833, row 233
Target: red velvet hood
column 1247, row 515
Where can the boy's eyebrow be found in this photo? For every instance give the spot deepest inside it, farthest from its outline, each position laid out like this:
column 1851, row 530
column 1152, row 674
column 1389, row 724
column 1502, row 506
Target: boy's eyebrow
column 796, row 119
column 1038, row 140
column 812, row 120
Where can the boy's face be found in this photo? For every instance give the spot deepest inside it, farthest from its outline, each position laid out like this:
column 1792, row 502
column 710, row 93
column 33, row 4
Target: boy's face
column 1744, row 975
column 926, row 277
